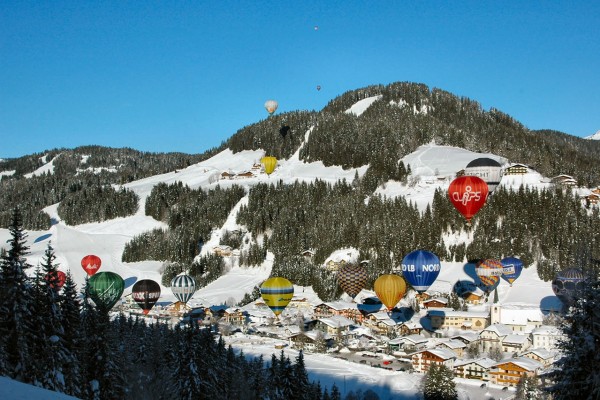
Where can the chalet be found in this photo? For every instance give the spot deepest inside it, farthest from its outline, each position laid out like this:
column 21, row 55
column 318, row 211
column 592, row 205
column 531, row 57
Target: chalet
column 564, row 180
column 543, row 356
column 474, row 369
column 466, row 320
column 508, row 372
column 519, row 319
column 408, row 343
column 467, row 338
column 456, row 346
column 341, row 308
column 421, row 297
column 410, row 328
column 312, row 341
column 334, row 266
column 301, row 303
column 223, row 250
column 422, row 360
column 245, row 174
column 334, row 326
column 492, row 336
column 234, row 316
column 380, row 323
column 516, row 169
column 437, row 302
column 546, row 337
column 515, row 343
column 227, row 175
column 308, row 254
column 591, row 198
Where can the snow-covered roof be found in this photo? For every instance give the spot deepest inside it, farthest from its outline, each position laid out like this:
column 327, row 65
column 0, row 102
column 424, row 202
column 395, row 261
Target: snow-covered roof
column 547, row 330
column 515, row 339
column 445, row 354
column 448, row 312
column 499, row 329
column 337, row 321
column 523, row 362
column 519, row 315
column 544, row 354
column 483, row 362
column 452, row 344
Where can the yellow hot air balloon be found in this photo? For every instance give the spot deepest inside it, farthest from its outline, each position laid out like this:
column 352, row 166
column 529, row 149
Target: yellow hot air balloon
column 269, row 163
column 390, row 289
column 277, row 293
column 271, row 106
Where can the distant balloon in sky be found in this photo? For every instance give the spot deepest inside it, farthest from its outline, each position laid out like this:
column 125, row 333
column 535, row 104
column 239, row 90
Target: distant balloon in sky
column 271, row 106
column 318, row 87
column 91, row 263
column 468, row 194
column 421, row 268
column 316, row 27
column 487, row 169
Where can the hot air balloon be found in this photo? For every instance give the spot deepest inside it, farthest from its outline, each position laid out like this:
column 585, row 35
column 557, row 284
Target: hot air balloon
column 146, row 293
column 269, row 164
column 352, row 279
column 277, row 293
column 271, row 106
column 183, row 287
column 511, row 269
column 56, row 279
column 390, row 288
column 421, row 268
column 318, row 87
column 91, row 264
column 105, row 289
column 487, row 169
column 468, row 194
column 489, row 272
column 567, row 283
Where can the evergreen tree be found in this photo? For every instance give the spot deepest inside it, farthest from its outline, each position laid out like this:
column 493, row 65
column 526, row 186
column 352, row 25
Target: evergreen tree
column 72, row 335
column 17, row 332
column 438, row 384
column 528, row 388
column 576, row 374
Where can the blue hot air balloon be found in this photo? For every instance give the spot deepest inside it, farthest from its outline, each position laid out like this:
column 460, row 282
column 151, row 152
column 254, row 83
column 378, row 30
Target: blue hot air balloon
column 511, row 269
column 421, row 268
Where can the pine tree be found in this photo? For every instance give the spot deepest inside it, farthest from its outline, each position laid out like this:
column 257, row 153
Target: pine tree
column 528, row 388
column 438, row 384
column 16, row 300
column 73, row 339
column 576, row 374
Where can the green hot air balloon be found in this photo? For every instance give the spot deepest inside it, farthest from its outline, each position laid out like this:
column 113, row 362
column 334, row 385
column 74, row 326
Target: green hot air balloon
column 105, row 289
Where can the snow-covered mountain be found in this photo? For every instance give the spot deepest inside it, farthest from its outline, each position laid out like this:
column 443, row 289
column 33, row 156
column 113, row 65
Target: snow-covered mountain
column 595, row 136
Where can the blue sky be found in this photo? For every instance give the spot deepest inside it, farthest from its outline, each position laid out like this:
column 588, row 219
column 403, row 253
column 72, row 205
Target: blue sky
column 184, row 76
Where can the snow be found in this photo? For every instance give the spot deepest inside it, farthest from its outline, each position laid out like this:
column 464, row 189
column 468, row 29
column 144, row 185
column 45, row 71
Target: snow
column 48, row 167
column 595, row 136
column 432, row 167
column 361, row 106
column 14, row 390
column 7, row 173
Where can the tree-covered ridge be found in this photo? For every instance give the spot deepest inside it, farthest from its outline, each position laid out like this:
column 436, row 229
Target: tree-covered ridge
column 548, row 227
column 97, row 203
column 190, row 216
column 87, row 167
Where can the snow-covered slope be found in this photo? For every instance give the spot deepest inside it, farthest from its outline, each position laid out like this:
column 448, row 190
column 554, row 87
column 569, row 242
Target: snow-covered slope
column 595, row 136
column 14, row 390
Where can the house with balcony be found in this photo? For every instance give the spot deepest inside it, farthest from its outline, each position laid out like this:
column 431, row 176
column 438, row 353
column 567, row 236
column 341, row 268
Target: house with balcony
column 334, row 326
column 474, row 369
column 515, row 343
column 508, row 372
column 465, row 320
column 423, row 359
column 458, row 347
column 493, row 336
column 543, row 356
column 234, row 316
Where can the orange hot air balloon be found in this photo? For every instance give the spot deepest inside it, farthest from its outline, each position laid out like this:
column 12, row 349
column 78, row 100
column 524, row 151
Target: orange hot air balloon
column 468, row 194
column 56, row 279
column 390, row 289
column 91, row 264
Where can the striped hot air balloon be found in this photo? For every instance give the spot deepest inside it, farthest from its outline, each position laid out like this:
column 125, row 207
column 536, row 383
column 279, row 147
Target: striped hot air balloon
column 390, row 288
column 489, row 272
column 277, row 293
column 352, row 279
column 183, row 287
column 567, row 283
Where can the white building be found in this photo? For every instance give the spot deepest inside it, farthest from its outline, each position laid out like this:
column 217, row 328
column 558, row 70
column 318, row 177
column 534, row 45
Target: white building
column 546, row 337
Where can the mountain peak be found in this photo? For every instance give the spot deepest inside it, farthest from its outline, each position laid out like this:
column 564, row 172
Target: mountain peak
column 595, row 136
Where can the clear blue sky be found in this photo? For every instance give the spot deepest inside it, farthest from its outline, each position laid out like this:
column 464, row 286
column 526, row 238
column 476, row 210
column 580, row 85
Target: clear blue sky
column 184, row 76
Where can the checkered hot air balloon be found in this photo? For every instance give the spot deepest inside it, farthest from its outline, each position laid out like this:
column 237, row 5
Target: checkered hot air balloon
column 352, row 279
column 183, row 287
column 277, row 293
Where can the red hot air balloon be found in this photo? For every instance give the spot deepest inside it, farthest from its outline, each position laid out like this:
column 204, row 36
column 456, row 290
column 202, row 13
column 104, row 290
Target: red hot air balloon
column 468, row 194
column 58, row 279
column 91, row 264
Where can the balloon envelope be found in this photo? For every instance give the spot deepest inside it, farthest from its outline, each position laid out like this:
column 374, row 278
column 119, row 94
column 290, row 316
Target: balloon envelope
column 91, row 264
column 271, row 106
column 352, row 279
column 269, row 164
column 567, row 283
column 511, row 269
column 58, row 278
column 487, row 169
column 468, row 194
column 277, row 293
column 183, row 287
column 421, row 268
column 390, row 288
column 489, row 272
column 105, row 289
column 146, row 293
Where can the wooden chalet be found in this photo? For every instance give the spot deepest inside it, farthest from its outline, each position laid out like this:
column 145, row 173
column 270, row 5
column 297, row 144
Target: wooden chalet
column 564, row 180
column 422, row 360
column 436, row 302
column 516, row 169
column 509, row 372
column 474, row 369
